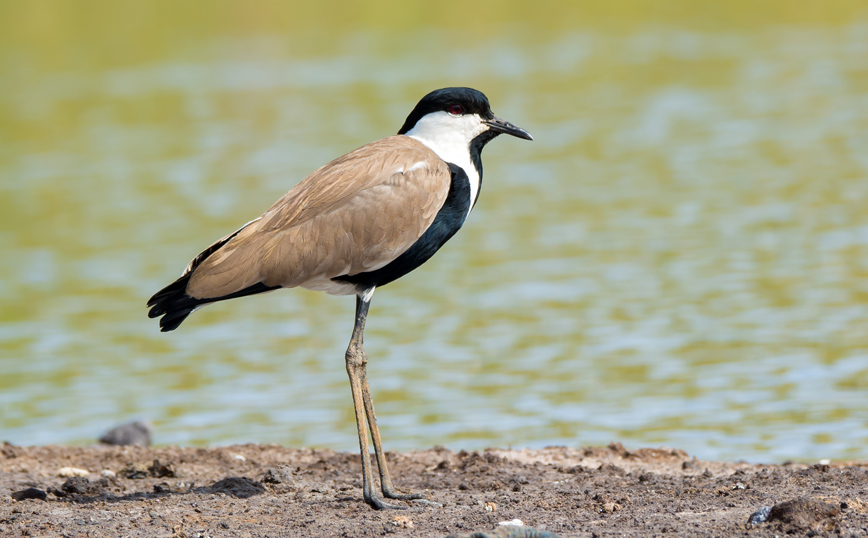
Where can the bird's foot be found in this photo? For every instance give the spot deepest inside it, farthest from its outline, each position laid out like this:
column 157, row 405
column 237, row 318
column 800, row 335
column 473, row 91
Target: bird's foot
column 417, row 498
column 377, row 503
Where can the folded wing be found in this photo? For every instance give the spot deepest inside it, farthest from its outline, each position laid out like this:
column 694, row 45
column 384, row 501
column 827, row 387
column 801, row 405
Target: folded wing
column 355, row 214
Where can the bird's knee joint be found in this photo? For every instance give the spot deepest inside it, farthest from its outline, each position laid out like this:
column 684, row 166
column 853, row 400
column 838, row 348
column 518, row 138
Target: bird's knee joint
column 356, row 358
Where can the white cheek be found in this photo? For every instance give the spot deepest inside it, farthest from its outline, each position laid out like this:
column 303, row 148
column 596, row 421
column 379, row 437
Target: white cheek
column 449, row 137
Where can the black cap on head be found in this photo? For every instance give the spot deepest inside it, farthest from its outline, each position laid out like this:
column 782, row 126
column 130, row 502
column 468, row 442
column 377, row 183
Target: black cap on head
column 461, row 102
column 471, row 102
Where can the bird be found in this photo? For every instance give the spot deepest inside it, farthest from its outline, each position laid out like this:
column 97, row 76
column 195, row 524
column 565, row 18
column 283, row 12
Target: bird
column 356, row 224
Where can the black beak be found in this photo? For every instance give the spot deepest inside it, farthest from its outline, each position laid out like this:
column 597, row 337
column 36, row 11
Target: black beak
column 502, row 126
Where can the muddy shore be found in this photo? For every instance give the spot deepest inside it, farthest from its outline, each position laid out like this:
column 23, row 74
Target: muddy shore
column 268, row 490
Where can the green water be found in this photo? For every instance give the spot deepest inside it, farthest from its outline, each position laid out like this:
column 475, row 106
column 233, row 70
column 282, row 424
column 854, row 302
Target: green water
column 680, row 258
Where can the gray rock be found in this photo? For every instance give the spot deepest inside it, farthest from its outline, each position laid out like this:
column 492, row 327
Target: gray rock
column 132, row 433
column 760, row 516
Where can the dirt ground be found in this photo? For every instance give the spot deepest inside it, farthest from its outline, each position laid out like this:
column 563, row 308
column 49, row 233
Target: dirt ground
column 267, row 490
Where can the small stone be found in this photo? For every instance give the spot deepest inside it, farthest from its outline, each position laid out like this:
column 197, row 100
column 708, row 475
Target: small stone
column 760, row 516
column 68, row 472
column 164, row 487
column 106, row 473
column 278, row 475
column 76, row 485
column 402, row 522
column 512, row 523
column 136, row 433
column 490, row 507
column 609, row 507
column 239, row 457
column 162, row 470
column 135, row 471
column 29, row 493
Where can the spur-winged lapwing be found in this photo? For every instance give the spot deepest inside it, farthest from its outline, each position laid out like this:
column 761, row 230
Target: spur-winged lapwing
column 359, row 222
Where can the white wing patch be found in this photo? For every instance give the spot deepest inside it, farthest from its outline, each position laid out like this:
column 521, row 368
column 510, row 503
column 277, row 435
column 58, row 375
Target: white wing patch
column 417, row 166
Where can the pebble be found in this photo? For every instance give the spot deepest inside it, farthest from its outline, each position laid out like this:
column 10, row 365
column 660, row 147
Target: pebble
column 29, row 493
column 760, row 516
column 402, row 522
column 68, row 472
column 136, row 433
column 135, row 470
column 512, row 523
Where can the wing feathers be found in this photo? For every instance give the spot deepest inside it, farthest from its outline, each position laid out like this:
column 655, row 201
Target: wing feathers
column 355, row 214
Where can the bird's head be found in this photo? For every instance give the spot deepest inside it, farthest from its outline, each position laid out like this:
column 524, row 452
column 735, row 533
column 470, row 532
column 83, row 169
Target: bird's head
column 457, row 116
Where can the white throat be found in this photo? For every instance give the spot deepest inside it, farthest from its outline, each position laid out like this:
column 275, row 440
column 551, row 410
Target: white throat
column 449, row 137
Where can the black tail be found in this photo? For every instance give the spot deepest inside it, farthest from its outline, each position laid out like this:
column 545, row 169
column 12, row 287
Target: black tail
column 173, row 303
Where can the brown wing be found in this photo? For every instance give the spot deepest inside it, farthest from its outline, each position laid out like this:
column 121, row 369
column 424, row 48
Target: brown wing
column 355, row 214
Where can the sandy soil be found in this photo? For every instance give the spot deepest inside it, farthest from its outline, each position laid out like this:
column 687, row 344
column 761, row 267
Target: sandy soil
column 266, row 490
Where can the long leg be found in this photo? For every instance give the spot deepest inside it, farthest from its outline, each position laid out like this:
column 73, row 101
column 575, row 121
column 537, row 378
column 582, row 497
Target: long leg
column 385, row 479
column 357, row 361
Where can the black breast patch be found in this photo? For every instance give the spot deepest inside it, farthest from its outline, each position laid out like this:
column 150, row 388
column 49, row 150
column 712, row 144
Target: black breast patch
column 449, row 220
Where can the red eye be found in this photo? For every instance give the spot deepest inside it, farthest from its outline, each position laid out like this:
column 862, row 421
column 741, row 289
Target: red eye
column 456, row 110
